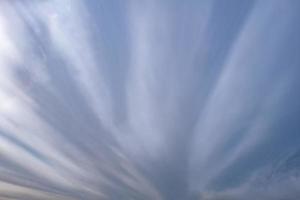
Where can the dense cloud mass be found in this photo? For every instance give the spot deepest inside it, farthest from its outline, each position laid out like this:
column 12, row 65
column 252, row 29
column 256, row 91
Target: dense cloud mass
column 149, row 100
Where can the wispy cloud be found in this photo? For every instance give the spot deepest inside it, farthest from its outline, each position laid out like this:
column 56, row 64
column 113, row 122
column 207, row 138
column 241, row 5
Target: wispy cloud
column 149, row 100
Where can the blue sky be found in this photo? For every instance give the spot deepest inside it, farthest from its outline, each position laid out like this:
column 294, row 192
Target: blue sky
column 195, row 100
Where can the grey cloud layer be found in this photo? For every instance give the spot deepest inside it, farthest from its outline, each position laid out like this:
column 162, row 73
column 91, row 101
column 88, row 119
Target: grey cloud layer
column 149, row 100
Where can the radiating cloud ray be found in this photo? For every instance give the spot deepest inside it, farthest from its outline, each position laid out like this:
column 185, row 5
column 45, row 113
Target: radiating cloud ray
column 149, row 99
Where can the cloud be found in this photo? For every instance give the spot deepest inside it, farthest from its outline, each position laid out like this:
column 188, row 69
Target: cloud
column 40, row 160
column 246, row 101
column 149, row 100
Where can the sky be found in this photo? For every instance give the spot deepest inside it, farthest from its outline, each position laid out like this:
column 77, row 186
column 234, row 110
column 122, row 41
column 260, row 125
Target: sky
column 149, row 100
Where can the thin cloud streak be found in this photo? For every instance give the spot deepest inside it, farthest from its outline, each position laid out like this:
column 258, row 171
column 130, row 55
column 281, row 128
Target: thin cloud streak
column 149, row 100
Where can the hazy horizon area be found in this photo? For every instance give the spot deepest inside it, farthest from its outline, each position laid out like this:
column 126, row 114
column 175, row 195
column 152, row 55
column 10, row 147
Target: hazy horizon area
column 149, row 100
